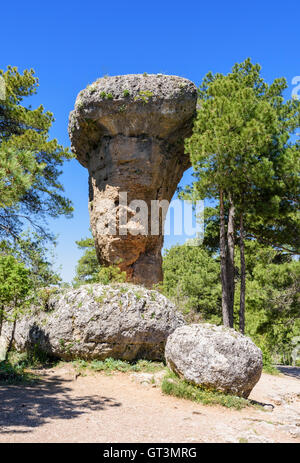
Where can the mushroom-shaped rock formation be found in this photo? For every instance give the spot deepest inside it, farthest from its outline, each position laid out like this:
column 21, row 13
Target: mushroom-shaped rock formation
column 129, row 132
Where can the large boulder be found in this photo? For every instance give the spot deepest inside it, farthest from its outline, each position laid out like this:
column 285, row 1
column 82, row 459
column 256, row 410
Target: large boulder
column 98, row 321
column 129, row 132
column 214, row 357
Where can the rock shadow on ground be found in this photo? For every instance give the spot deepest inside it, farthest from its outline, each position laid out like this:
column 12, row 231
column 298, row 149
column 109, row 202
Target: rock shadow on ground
column 30, row 406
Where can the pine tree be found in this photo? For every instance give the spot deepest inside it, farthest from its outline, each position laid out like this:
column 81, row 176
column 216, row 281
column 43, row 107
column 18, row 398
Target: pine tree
column 30, row 162
column 242, row 155
column 18, row 171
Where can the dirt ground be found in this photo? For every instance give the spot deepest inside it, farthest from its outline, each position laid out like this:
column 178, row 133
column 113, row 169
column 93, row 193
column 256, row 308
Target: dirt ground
column 118, row 408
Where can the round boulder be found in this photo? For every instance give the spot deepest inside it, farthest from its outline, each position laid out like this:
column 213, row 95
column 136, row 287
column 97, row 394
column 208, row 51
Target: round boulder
column 215, row 357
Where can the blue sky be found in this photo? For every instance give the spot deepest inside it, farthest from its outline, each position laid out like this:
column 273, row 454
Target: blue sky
column 70, row 44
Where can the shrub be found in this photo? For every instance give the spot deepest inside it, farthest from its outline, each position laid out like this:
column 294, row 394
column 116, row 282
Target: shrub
column 111, row 274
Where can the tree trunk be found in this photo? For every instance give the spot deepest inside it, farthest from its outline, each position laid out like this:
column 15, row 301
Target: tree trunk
column 230, row 259
column 223, row 257
column 243, row 278
column 12, row 337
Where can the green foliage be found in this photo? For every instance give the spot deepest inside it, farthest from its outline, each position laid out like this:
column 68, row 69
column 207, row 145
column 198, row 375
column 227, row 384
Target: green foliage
column 29, row 162
column 144, row 96
column 43, row 297
column 88, row 268
column 242, row 145
column 272, row 301
column 17, row 368
column 110, row 365
column 138, row 296
column 172, row 385
column 126, row 93
column 18, row 172
column 32, row 251
column 233, row 127
column 243, row 155
column 108, row 96
column 24, row 273
column 34, row 358
column 111, row 274
column 15, row 287
column 14, row 374
column 191, row 279
column 29, row 257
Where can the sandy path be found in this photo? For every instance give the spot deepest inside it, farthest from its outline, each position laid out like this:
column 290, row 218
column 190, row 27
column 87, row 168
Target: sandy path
column 101, row 408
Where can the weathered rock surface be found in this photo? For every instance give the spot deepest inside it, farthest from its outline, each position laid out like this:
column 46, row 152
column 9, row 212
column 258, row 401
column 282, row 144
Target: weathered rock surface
column 129, row 132
column 215, row 357
column 99, row 321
